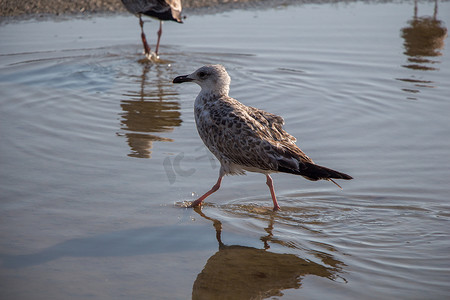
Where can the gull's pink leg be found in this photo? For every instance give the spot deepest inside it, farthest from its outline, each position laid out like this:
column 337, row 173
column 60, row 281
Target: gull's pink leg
column 269, row 183
column 159, row 37
column 212, row 190
column 144, row 39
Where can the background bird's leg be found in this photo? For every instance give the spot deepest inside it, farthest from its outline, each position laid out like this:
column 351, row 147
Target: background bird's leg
column 144, row 39
column 159, row 37
column 212, row 190
column 269, row 183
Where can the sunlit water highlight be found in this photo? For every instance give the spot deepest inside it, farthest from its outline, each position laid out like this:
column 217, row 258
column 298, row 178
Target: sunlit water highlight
column 99, row 151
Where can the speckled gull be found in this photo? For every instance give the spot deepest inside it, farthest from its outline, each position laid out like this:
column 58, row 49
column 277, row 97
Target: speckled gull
column 245, row 138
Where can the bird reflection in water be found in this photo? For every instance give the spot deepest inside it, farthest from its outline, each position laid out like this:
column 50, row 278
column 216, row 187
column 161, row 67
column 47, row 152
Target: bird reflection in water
column 153, row 108
column 423, row 39
column 240, row 272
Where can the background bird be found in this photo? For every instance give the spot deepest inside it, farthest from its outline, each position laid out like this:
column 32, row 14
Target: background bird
column 162, row 10
column 245, row 138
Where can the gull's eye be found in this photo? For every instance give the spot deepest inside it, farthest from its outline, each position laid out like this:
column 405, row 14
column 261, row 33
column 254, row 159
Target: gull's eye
column 202, row 74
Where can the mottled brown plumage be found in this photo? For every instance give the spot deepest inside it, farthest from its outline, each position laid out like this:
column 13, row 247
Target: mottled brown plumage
column 245, row 138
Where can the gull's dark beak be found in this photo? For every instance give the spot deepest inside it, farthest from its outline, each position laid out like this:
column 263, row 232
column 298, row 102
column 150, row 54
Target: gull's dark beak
column 181, row 79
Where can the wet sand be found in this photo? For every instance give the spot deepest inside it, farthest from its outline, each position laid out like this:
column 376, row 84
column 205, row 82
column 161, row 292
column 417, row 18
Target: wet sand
column 19, row 9
column 15, row 8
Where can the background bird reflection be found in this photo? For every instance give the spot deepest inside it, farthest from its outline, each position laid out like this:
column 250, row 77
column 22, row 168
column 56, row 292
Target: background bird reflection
column 152, row 108
column 423, row 41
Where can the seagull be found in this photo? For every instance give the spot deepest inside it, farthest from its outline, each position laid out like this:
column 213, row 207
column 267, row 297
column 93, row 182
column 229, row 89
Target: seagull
column 244, row 138
column 162, row 10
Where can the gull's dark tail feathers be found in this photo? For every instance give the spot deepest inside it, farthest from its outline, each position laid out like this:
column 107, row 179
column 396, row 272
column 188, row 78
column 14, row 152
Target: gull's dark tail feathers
column 315, row 172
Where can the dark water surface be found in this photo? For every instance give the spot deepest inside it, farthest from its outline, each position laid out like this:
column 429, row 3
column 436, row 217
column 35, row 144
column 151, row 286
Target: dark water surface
column 99, row 150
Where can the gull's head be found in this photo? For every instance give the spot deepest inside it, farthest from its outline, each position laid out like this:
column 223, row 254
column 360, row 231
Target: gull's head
column 212, row 79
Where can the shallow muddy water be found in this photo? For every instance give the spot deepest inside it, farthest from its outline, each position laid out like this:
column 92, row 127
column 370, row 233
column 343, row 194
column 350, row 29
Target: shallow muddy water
column 99, row 151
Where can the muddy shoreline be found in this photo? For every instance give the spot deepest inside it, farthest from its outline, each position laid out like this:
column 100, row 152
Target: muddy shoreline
column 17, row 8
column 25, row 9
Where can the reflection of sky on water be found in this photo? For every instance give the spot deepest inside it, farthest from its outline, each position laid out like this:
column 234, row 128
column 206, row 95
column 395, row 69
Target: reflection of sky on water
column 79, row 215
column 154, row 107
column 423, row 39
